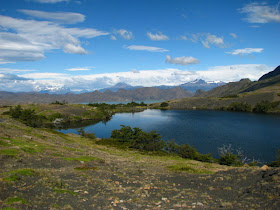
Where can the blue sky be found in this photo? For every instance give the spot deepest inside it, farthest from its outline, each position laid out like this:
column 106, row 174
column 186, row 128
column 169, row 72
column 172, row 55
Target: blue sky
column 91, row 44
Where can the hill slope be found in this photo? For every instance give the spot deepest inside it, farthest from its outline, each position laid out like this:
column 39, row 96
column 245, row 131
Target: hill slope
column 45, row 169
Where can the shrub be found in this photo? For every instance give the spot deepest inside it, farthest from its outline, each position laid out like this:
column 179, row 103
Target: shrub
column 230, row 159
column 138, row 139
column 239, row 107
column 85, row 134
column 164, row 104
column 276, row 163
column 262, row 107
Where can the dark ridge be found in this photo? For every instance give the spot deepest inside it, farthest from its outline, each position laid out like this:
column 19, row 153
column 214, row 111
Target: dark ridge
column 273, row 73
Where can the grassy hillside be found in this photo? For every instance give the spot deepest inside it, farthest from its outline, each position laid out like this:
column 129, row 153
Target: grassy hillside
column 42, row 168
column 270, row 94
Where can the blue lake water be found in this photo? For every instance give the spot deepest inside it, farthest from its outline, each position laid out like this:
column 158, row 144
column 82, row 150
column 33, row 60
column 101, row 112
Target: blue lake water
column 258, row 135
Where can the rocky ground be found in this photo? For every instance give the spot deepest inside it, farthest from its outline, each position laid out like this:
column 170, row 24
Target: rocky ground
column 44, row 169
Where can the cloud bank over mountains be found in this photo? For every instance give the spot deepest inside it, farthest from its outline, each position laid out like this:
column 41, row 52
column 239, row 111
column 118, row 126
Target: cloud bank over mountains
column 41, row 81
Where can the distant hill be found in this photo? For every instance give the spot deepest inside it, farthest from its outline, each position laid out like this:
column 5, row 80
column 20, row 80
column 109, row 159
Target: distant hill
column 139, row 94
column 244, row 85
column 244, row 91
column 120, row 85
column 231, row 88
column 273, row 73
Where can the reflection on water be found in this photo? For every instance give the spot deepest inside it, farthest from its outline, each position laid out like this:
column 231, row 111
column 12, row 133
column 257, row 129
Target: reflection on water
column 256, row 134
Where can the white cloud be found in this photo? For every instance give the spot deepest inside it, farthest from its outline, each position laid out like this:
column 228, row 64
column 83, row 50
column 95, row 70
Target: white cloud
column 50, row 1
column 124, row 34
column 233, row 35
column 39, row 76
column 246, row 51
column 32, row 38
column 206, row 39
column 213, row 39
column 80, row 69
column 146, row 78
column 261, row 13
column 145, row 48
column 113, row 37
column 181, row 60
column 60, row 17
column 157, row 36
column 184, row 37
column 135, row 71
column 15, row 70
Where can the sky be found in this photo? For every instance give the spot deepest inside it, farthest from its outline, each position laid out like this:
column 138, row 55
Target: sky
column 84, row 45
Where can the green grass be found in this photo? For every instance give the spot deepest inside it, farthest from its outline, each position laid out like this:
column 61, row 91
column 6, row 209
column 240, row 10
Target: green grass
column 10, row 152
column 83, row 158
column 85, row 168
column 27, row 146
column 9, row 208
column 73, row 149
column 187, row 168
column 61, row 191
column 278, row 94
column 14, row 175
column 15, row 200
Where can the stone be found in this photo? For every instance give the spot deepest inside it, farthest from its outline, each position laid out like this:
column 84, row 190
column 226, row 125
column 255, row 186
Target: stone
column 264, row 168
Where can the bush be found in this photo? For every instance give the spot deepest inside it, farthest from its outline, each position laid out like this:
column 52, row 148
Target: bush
column 239, row 107
column 230, row 159
column 262, row 107
column 137, row 139
column 26, row 116
column 276, row 163
column 85, row 134
column 164, row 104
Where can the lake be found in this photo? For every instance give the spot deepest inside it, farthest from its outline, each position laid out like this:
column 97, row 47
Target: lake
column 258, row 135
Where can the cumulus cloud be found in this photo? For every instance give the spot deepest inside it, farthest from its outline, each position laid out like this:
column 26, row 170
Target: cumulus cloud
column 181, row 60
column 31, row 38
column 245, row 51
column 260, row 13
column 80, row 69
column 157, row 36
column 148, row 78
column 49, row 1
column 145, row 48
column 60, row 17
column 124, row 34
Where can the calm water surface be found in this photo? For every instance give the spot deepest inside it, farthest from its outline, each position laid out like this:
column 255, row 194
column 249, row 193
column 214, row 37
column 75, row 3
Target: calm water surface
column 257, row 135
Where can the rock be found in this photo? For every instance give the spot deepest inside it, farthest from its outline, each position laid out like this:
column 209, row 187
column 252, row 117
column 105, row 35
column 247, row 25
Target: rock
column 264, row 168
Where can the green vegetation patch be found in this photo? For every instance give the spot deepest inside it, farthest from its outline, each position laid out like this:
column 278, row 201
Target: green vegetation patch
column 27, row 146
column 187, row 168
column 83, row 158
column 61, row 191
column 15, row 200
column 14, row 175
column 73, row 149
column 3, row 143
column 10, row 152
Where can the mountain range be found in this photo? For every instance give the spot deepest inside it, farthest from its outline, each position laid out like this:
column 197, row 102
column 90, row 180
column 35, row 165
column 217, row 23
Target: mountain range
column 267, row 88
